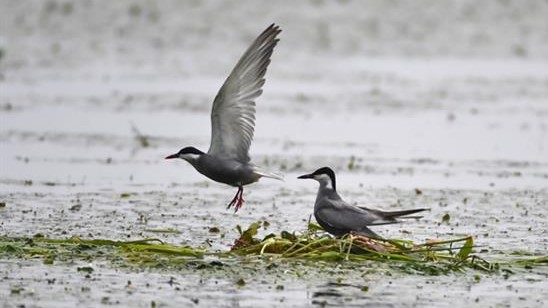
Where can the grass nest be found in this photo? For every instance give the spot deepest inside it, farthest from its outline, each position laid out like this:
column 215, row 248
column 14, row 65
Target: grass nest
column 315, row 244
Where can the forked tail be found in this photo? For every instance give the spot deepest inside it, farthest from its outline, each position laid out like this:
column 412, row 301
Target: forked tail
column 392, row 215
column 401, row 214
column 268, row 174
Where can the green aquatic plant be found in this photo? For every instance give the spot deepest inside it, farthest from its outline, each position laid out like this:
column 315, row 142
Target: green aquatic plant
column 434, row 257
column 148, row 251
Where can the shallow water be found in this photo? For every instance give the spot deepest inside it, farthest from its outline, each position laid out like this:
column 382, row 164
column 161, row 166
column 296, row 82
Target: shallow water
column 392, row 111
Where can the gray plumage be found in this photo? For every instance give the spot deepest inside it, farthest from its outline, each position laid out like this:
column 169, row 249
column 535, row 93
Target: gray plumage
column 339, row 218
column 233, row 121
column 233, row 112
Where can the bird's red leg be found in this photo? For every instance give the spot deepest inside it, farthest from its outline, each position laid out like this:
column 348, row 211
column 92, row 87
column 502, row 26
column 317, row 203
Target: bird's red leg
column 234, row 200
column 240, row 201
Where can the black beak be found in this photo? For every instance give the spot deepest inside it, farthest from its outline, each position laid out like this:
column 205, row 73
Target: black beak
column 173, row 156
column 305, row 176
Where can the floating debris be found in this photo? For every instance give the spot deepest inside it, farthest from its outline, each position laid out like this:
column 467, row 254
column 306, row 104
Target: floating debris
column 140, row 137
column 446, row 218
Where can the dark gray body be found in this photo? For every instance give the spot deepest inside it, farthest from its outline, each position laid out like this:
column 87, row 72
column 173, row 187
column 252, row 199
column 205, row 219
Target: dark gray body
column 227, row 171
column 339, row 218
column 233, row 121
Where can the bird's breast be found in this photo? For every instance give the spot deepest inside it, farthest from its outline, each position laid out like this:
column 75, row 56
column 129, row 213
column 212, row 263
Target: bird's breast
column 225, row 171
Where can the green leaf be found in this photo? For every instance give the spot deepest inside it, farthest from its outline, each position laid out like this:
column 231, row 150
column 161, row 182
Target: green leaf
column 312, row 227
column 331, row 255
column 466, row 249
column 251, row 232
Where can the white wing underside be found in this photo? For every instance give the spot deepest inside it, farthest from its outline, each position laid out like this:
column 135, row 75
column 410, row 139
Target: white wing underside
column 233, row 112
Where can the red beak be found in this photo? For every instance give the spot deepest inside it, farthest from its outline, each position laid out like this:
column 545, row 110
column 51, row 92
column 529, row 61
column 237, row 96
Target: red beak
column 172, row 156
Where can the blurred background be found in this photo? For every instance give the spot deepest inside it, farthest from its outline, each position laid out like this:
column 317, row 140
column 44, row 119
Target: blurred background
column 167, row 34
column 420, row 87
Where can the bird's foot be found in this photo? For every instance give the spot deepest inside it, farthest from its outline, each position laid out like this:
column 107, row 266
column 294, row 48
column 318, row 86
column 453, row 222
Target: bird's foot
column 237, row 201
column 239, row 204
column 233, row 202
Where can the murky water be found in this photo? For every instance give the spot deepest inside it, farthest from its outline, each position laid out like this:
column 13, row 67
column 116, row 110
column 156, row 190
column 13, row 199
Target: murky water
column 459, row 112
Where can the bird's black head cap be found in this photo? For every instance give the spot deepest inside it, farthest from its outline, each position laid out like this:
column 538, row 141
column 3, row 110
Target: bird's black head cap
column 183, row 151
column 322, row 171
column 190, row 150
column 329, row 172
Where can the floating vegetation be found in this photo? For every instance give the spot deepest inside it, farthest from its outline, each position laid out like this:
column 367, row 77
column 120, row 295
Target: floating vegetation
column 147, row 252
column 434, row 257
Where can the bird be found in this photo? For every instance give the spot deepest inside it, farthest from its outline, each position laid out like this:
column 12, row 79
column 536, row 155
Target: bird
column 233, row 122
column 339, row 218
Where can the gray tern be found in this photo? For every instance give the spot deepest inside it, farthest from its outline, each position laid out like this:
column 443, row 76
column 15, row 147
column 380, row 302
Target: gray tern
column 339, row 218
column 233, row 121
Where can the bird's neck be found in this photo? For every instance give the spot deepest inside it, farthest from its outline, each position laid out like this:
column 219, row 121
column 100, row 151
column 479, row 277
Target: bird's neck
column 325, row 192
column 194, row 159
column 326, row 184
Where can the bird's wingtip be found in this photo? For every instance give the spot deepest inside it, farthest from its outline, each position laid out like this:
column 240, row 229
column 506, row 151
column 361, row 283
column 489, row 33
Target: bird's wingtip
column 274, row 27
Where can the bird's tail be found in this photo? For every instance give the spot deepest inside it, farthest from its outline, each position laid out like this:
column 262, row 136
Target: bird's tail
column 401, row 214
column 268, row 174
column 390, row 217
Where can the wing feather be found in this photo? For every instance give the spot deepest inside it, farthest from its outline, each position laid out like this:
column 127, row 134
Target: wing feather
column 341, row 215
column 233, row 112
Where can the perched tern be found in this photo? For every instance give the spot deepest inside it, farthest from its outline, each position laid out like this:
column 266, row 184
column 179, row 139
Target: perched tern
column 233, row 121
column 339, row 218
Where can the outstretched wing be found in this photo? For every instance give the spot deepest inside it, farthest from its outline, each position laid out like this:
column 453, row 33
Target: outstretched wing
column 233, row 113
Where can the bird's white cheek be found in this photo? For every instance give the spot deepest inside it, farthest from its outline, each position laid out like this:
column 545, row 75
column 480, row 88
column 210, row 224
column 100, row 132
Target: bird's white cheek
column 190, row 157
column 324, row 180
